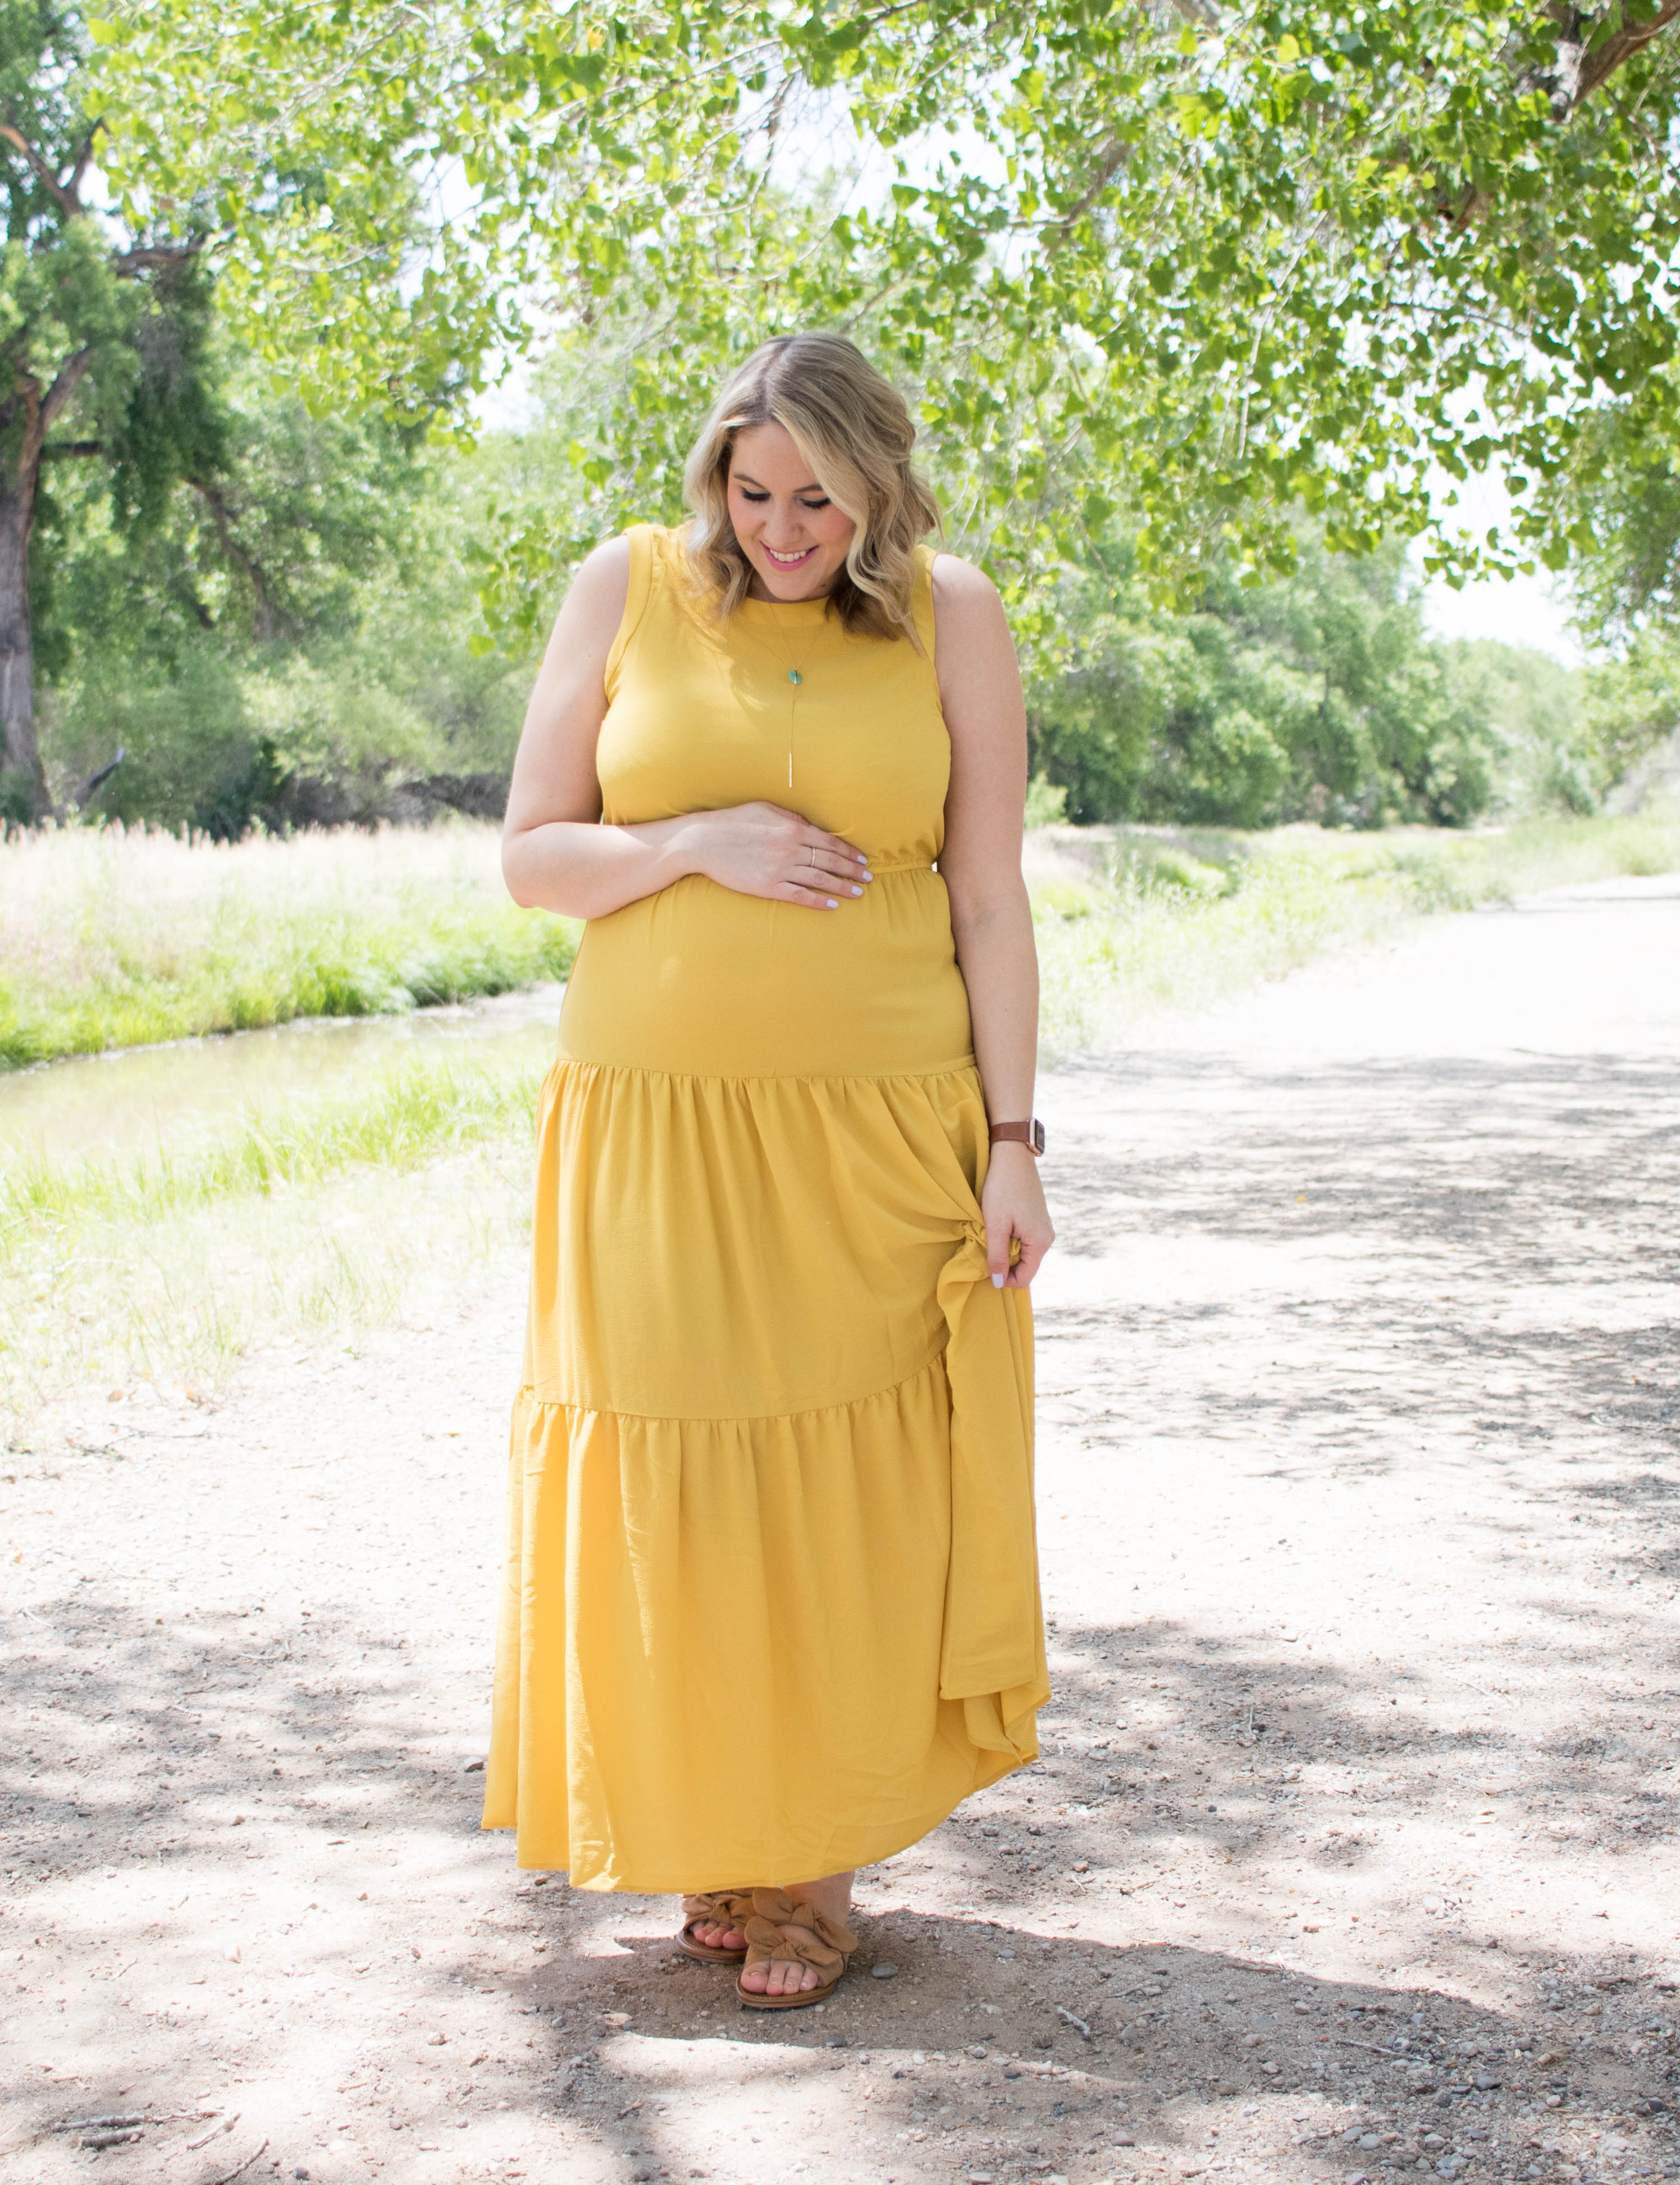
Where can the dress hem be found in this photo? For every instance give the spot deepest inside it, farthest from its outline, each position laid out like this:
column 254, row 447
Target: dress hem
column 870, row 1850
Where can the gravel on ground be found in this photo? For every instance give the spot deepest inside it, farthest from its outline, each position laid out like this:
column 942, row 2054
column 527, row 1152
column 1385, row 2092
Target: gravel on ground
column 1352, row 1851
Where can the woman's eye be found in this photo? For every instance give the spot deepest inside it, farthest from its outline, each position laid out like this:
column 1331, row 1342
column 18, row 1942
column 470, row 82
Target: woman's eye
column 813, row 507
column 745, row 496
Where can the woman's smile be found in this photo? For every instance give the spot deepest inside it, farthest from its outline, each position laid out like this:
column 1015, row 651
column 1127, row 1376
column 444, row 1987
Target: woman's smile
column 790, row 528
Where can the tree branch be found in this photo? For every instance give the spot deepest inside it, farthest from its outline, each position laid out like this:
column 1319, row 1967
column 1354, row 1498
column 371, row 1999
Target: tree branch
column 66, row 199
column 155, row 254
column 213, row 501
column 71, row 373
column 1109, row 161
column 1633, row 38
column 83, row 160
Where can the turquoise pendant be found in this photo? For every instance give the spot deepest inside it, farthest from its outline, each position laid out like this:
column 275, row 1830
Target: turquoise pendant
column 794, row 676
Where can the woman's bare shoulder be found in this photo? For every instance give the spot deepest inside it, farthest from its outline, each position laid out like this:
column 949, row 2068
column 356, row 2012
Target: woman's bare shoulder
column 964, row 598
column 596, row 602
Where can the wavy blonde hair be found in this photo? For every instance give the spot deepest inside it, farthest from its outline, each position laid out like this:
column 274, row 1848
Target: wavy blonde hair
column 852, row 427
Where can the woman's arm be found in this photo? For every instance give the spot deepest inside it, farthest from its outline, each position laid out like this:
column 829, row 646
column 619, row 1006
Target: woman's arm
column 980, row 689
column 556, row 855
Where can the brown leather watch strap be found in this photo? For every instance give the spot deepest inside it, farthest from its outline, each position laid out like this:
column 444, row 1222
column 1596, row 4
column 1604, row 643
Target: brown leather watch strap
column 1031, row 1134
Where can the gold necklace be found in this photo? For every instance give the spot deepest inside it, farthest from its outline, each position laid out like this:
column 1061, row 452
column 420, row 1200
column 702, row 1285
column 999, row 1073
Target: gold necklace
column 795, row 678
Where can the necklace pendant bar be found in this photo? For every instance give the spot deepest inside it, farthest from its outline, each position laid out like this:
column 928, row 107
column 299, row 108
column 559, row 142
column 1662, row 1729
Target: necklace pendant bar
column 794, row 676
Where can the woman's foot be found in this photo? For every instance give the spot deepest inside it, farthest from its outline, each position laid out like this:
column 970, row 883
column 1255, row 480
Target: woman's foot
column 716, row 1937
column 832, row 1898
column 712, row 1926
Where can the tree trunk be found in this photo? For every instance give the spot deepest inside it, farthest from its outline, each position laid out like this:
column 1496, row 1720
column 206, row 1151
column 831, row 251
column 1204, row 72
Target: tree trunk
column 31, row 415
column 17, row 658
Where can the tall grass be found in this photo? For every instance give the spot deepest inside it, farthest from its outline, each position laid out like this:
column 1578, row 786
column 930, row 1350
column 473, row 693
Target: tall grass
column 118, row 937
column 1175, row 921
column 311, row 1215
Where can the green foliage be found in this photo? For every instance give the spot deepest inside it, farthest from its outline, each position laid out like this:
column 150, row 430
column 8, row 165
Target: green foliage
column 1318, row 697
column 1153, row 275
column 1046, row 804
column 1633, row 702
column 287, row 643
column 1550, row 758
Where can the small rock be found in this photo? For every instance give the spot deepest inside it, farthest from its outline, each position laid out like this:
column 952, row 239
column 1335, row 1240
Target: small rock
column 977, row 2051
column 1369, row 2139
column 230, row 1952
column 300, row 2173
column 436, row 2040
column 473, row 1768
column 1124, row 2140
column 1485, row 2080
column 885, row 1972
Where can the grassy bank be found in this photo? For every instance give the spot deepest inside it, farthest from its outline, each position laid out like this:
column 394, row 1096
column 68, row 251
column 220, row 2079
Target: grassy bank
column 311, row 1216
column 113, row 937
column 308, row 1217
column 1177, row 920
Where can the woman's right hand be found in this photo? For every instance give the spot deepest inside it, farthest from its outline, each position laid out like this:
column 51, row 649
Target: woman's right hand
column 765, row 850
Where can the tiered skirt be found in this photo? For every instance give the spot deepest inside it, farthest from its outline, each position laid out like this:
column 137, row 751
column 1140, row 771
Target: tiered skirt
column 769, row 1607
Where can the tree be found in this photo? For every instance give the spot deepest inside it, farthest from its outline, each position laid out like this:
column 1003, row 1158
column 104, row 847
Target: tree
column 1317, row 696
column 101, row 343
column 1162, row 271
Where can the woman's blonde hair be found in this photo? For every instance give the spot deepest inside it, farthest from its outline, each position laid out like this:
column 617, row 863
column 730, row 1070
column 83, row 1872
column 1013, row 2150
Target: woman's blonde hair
column 851, row 425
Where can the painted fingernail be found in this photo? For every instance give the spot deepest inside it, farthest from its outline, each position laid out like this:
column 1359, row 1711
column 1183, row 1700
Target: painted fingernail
column 998, row 1282
column 857, row 891
column 832, row 904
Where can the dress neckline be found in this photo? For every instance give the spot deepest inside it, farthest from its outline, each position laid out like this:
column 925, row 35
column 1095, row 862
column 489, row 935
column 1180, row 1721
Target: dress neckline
column 789, row 611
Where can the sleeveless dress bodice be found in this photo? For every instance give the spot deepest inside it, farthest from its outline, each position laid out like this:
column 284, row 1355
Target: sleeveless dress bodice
column 703, row 716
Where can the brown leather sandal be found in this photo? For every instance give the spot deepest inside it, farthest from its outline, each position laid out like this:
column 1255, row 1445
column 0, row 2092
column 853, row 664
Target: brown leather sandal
column 775, row 1912
column 719, row 1907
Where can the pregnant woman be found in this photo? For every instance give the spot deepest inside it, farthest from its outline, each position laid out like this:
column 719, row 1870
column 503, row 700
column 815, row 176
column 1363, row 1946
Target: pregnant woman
column 771, row 1607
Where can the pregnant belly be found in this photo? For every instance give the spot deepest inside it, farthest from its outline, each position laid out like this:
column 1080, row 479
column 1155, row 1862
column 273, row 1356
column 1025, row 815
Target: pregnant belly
column 699, row 981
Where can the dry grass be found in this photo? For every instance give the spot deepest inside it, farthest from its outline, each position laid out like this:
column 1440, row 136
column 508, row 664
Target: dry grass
column 119, row 937
column 1178, row 921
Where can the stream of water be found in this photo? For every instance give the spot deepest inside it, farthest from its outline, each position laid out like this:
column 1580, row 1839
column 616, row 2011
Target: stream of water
column 99, row 1102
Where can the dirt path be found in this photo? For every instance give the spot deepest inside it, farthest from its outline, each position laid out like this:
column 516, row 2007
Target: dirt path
column 1352, row 1849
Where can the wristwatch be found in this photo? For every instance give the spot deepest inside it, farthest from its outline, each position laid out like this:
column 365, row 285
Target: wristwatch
column 1031, row 1135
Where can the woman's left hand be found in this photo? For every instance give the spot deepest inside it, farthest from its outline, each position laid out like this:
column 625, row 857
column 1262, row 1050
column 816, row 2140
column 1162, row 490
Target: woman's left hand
column 1012, row 1201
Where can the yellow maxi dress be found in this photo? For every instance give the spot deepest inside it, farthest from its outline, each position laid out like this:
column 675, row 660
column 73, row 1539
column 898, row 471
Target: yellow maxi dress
column 770, row 1606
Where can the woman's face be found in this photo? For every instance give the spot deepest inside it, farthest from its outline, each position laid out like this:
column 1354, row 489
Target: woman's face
column 791, row 532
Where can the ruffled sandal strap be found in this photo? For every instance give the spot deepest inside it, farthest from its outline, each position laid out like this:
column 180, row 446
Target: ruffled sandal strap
column 721, row 1908
column 775, row 1912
